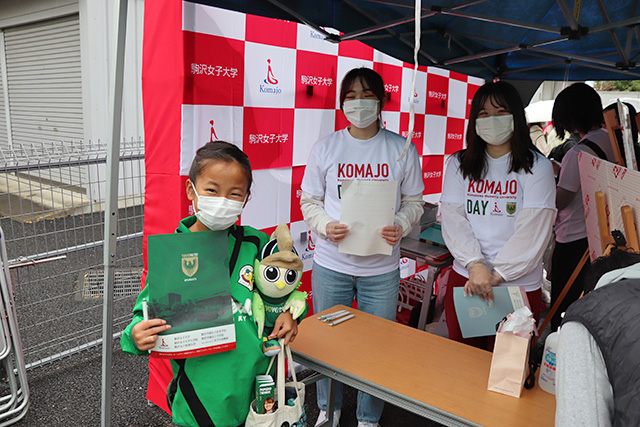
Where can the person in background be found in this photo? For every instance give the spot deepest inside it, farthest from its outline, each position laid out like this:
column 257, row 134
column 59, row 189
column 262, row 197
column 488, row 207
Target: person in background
column 337, row 278
column 557, row 153
column 539, row 138
column 497, row 205
column 577, row 109
column 553, row 138
column 597, row 373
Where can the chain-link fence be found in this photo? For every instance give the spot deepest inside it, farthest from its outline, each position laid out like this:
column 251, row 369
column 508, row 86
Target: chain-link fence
column 52, row 200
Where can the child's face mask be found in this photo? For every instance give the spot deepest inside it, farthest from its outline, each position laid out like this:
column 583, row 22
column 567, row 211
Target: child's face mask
column 217, row 213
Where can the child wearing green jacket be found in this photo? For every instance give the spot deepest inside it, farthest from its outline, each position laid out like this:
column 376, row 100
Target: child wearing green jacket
column 216, row 389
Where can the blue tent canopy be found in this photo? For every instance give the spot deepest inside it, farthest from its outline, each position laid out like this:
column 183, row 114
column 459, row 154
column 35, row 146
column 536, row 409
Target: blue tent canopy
column 514, row 39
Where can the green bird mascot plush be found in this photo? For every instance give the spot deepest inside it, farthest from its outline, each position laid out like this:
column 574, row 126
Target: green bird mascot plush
column 277, row 278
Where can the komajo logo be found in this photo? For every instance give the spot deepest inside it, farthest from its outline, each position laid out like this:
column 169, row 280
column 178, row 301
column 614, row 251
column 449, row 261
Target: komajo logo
column 271, row 82
column 271, row 78
column 311, row 245
column 310, row 249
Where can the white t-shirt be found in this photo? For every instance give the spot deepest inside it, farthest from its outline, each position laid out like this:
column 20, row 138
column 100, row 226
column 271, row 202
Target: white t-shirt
column 341, row 157
column 493, row 204
column 570, row 222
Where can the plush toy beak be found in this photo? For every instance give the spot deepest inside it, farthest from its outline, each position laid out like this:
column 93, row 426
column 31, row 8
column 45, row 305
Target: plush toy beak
column 280, row 284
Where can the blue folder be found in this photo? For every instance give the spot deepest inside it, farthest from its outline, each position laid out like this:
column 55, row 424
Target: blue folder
column 478, row 318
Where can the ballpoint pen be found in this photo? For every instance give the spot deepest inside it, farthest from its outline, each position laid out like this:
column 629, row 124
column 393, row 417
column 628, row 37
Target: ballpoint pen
column 337, row 316
column 333, row 315
column 343, row 319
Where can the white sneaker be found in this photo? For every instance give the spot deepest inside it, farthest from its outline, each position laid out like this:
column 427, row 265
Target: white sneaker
column 322, row 417
column 364, row 424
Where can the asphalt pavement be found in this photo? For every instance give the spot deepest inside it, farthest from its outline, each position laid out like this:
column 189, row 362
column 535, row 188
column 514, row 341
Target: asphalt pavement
column 68, row 393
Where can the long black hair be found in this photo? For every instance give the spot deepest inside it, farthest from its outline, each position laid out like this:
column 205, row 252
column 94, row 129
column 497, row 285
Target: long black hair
column 473, row 160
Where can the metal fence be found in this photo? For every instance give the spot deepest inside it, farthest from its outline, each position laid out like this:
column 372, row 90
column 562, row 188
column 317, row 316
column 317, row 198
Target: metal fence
column 52, row 199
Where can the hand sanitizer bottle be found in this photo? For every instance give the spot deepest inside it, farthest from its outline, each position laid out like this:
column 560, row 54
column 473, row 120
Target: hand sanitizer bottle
column 547, row 378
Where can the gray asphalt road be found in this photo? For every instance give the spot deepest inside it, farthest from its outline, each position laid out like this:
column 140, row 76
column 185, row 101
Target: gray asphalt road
column 68, row 393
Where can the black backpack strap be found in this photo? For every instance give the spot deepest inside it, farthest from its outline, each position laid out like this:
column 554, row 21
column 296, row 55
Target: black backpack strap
column 253, row 239
column 238, row 232
column 594, row 147
column 197, row 408
column 171, row 392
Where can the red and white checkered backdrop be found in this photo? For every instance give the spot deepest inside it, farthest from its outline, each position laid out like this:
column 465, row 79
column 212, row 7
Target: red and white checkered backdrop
column 271, row 87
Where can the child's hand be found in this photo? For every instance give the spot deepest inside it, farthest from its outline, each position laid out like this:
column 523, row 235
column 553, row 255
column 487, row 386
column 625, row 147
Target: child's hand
column 145, row 333
column 285, row 327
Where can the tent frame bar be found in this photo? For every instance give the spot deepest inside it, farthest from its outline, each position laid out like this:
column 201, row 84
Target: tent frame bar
column 563, row 35
column 111, row 208
column 302, row 19
column 402, row 40
column 567, row 15
column 431, row 12
column 614, row 37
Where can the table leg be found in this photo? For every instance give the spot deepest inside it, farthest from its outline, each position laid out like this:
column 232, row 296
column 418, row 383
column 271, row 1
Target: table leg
column 331, row 398
column 426, row 299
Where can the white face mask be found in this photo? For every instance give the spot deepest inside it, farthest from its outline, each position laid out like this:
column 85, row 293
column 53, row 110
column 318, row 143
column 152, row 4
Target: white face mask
column 217, row 213
column 495, row 130
column 361, row 112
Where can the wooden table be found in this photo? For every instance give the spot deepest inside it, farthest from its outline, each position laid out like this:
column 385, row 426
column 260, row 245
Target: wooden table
column 426, row 374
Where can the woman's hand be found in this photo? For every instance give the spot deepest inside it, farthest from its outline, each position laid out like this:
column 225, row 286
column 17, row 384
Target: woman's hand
column 480, row 282
column 145, row 333
column 392, row 234
column 285, row 327
column 336, row 231
column 496, row 278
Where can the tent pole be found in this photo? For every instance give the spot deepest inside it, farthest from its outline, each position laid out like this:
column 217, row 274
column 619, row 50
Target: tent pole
column 383, row 26
column 393, row 33
column 111, row 208
column 614, row 37
column 301, row 18
column 567, row 15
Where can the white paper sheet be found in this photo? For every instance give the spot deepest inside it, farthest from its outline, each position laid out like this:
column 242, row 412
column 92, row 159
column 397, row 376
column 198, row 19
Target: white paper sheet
column 366, row 207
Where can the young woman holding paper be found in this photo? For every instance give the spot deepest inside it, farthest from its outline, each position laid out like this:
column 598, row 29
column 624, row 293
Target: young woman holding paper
column 362, row 151
column 497, row 205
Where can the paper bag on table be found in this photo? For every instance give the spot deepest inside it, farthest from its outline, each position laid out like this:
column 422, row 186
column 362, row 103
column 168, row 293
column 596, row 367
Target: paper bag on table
column 511, row 354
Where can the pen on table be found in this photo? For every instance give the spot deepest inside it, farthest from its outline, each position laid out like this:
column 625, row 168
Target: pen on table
column 336, row 316
column 337, row 313
column 343, row 319
column 324, row 316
